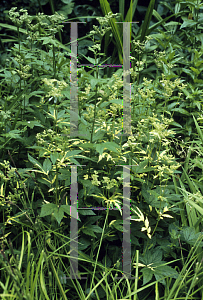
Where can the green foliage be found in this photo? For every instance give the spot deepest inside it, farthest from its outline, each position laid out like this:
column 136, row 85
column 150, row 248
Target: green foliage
column 153, row 265
column 164, row 152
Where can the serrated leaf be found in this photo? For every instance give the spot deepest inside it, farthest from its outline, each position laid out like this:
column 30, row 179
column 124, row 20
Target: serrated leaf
column 61, row 114
column 134, row 241
column 95, row 228
column 83, row 243
column 87, row 212
column 47, row 165
column 141, row 168
column 54, row 157
column 84, row 131
column 72, row 153
column 66, row 9
column 35, row 162
column 88, row 231
column 66, row 208
column 155, row 266
column 94, row 81
column 47, row 209
column 91, row 60
column 87, row 145
column 92, row 220
column 152, row 257
column 163, row 271
column 58, row 214
column 189, row 234
column 98, row 135
column 118, row 224
column 30, row 124
column 48, row 40
column 15, row 134
column 147, row 275
column 108, row 145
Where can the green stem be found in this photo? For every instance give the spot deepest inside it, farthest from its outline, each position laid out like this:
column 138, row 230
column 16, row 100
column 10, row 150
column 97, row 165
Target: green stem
column 54, row 62
column 56, row 187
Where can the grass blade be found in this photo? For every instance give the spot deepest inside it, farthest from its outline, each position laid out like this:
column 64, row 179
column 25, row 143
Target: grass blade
column 116, row 33
column 147, row 20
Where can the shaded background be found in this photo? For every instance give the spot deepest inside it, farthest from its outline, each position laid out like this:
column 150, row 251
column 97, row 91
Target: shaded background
column 72, row 10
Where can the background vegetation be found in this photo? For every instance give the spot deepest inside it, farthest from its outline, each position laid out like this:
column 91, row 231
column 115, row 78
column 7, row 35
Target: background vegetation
column 165, row 149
